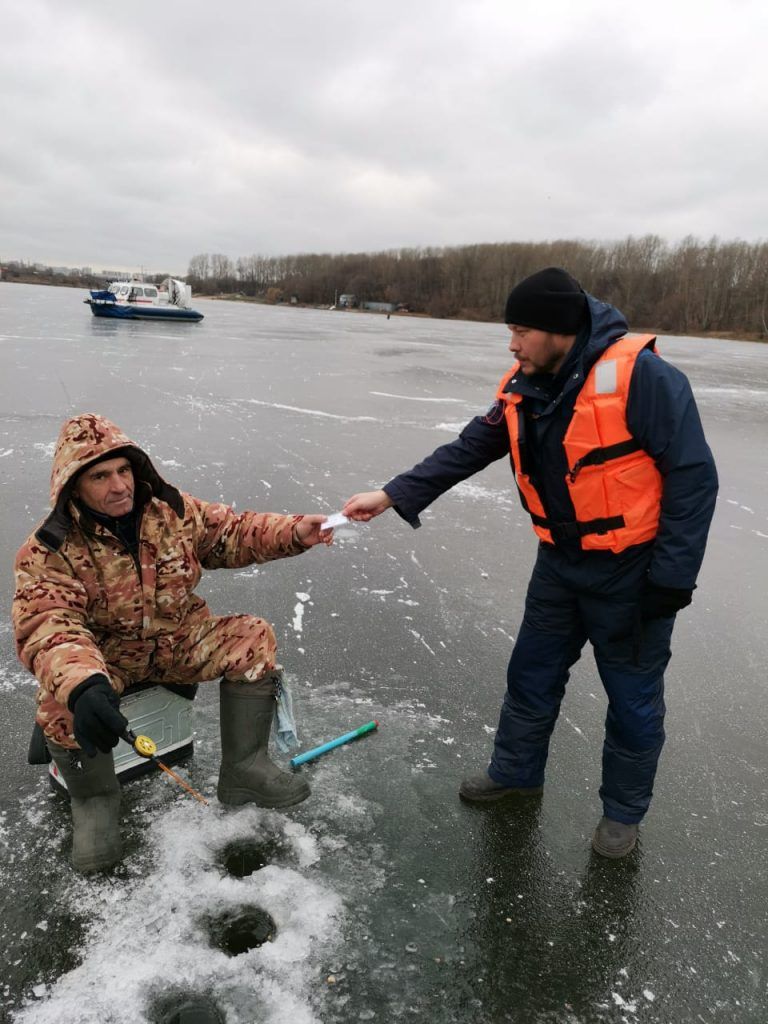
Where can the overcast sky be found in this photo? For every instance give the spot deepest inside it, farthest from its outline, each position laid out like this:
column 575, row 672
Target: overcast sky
column 140, row 134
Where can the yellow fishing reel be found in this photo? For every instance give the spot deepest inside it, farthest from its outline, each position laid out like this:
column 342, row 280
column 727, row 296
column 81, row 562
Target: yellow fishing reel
column 144, row 746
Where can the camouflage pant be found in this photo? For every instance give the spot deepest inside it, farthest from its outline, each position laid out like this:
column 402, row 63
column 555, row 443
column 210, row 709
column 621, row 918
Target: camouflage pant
column 241, row 648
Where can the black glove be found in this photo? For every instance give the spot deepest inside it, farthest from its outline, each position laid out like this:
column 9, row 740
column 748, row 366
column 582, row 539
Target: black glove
column 98, row 722
column 662, row 602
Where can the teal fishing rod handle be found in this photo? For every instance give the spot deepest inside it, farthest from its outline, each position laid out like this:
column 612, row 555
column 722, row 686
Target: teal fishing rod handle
column 309, row 755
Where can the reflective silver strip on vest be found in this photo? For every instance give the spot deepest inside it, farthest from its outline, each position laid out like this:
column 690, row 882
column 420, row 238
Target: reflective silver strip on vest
column 605, row 377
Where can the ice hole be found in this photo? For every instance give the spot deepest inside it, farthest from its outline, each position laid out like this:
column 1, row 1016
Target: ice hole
column 244, row 856
column 184, row 1008
column 237, row 931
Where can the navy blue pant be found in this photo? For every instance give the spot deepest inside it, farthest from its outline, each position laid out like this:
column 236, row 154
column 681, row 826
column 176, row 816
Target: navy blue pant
column 571, row 599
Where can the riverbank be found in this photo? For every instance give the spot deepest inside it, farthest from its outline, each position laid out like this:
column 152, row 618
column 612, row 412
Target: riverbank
column 238, row 297
column 464, row 316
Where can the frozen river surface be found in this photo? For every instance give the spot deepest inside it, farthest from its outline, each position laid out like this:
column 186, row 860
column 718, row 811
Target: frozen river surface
column 392, row 901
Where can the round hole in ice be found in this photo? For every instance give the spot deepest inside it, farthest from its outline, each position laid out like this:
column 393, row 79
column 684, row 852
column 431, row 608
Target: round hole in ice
column 237, row 931
column 184, row 1008
column 244, row 856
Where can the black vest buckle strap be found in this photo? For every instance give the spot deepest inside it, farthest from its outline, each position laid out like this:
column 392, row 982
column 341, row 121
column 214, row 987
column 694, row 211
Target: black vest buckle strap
column 599, row 456
column 575, row 530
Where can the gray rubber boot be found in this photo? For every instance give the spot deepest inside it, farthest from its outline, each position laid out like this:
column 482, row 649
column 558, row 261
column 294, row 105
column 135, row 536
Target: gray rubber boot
column 94, row 796
column 247, row 775
column 481, row 789
column 614, row 838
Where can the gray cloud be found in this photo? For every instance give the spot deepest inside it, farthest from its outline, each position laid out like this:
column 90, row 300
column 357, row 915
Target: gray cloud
column 141, row 136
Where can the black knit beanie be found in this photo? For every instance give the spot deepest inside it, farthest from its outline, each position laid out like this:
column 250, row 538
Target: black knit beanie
column 550, row 300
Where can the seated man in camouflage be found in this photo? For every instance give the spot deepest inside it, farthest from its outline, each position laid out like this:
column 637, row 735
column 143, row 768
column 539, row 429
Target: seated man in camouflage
column 105, row 598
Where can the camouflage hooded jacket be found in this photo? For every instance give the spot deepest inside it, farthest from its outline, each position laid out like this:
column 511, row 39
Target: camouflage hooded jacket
column 81, row 598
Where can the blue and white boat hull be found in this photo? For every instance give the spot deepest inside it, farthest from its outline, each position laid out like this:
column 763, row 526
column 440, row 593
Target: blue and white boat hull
column 114, row 311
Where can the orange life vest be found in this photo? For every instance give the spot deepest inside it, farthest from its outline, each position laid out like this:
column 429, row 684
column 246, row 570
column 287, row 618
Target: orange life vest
column 613, row 484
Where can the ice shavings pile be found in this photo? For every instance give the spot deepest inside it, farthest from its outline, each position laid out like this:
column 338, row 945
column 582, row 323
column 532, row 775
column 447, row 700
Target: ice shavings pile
column 149, row 934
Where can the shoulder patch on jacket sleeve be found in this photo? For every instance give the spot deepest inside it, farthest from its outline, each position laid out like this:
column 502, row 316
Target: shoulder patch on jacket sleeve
column 495, row 413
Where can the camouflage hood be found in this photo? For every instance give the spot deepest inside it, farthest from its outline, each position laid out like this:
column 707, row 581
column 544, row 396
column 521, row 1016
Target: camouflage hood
column 85, row 439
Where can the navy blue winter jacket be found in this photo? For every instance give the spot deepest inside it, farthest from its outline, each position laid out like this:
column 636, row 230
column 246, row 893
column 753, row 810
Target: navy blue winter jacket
column 661, row 415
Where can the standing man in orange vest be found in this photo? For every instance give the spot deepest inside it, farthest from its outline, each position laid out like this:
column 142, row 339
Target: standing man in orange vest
column 611, row 463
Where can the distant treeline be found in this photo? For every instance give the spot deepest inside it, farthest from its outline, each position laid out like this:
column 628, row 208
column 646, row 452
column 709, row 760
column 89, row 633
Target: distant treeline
column 26, row 273
column 689, row 288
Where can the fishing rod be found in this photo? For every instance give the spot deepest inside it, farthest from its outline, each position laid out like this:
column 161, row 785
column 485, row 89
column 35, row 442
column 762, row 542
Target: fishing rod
column 146, row 747
column 310, row 755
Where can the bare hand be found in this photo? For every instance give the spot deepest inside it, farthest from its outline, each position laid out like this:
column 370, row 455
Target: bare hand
column 308, row 531
column 365, row 506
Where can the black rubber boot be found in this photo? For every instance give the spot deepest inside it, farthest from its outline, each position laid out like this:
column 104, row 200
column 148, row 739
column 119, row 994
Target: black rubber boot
column 94, row 796
column 614, row 838
column 481, row 789
column 247, row 775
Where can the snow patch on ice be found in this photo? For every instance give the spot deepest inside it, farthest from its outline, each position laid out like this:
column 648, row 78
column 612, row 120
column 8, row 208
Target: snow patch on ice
column 418, row 398
column 475, row 492
column 314, row 412
column 713, row 392
column 12, row 679
column 298, row 617
column 252, row 570
column 421, row 640
column 380, row 594
column 298, row 611
column 155, row 926
column 575, row 727
column 629, row 1006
